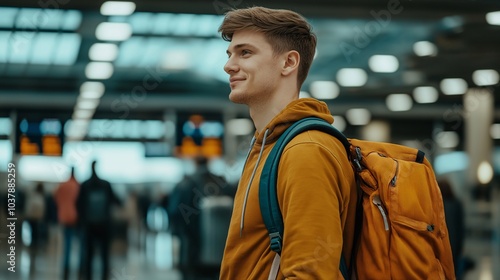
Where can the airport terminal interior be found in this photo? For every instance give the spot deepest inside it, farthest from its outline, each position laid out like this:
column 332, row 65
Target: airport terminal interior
column 135, row 92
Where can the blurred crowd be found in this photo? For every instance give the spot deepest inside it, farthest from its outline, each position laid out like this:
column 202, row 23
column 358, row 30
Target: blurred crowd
column 91, row 217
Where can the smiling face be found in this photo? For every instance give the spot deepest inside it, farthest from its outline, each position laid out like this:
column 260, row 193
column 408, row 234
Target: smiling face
column 254, row 71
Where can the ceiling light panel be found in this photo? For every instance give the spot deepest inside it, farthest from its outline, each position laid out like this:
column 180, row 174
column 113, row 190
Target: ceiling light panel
column 113, row 31
column 43, row 48
column 117, row 8
column 154, row 49
column 485, row 77
column 130, row 54
column 8, row 17
column 99, row 70
column 352, row 77
column 87, row 104
column 83, row 114
column 358, row 116
column 5, row 45
column 399, row 102
column 377, row 130
column 35, row 19
column 453, row 86
column 72, row 20
column 91, row 90
column 67, row 49
column 493, row 18
column 47, row 19
column 20, row 47
column 324, row 90
column 425, row 48
column 141, row 23
column 184, row 25
column 92, row 86
column 383, row 63
column 425, row 94
column 447, row 139
column 339, row 123
column 207, row 25
column 39, row 48
column 103, row 52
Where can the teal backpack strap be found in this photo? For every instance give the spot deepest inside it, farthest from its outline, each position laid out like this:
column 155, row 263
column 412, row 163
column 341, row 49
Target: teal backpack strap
column 268, row 197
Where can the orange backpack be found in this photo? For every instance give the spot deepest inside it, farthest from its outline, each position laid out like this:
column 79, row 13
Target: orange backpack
column 401, row 232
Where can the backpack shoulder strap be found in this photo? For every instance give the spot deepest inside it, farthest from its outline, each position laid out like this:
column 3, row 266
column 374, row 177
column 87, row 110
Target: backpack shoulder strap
column 268, row 198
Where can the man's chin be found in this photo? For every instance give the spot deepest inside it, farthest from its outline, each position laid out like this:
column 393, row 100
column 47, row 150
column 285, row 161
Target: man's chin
column 237, row 98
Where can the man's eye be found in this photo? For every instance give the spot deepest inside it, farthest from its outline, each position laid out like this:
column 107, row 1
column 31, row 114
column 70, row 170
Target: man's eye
column 245, row 52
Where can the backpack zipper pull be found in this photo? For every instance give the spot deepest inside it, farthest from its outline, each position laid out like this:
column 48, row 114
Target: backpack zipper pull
column 378, row 203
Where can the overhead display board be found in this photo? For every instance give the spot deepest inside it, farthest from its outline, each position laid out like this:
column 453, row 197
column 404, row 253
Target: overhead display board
column 39, row 136
column 199, row 134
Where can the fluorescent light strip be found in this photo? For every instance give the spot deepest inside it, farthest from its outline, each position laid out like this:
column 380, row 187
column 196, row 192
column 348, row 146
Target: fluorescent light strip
column 493, row 18
column 425, row 48
column 453, row 86
column 103, row 52
column 324, row 89
column 425, row 94
column 113, row 31
column 383, row 63
column 485, row 77
column 117, row 8
column 399, row 102
column 358, row 116
column 352, row 77
column 99, row 70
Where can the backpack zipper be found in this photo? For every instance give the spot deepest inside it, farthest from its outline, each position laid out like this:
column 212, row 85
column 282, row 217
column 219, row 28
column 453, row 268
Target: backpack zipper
column 395, row 178
column 378, row 203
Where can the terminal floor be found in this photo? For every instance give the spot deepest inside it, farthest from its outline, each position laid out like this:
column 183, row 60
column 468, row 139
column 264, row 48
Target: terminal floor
column 155, row 258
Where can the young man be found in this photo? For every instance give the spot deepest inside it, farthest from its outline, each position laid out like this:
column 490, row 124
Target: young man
column 270, row 53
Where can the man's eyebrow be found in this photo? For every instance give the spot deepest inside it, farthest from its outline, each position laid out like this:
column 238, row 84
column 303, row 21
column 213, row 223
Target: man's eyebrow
column 239, row 46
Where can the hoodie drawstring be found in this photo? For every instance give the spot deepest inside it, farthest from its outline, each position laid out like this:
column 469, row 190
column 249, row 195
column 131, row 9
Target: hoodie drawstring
column 251, row 179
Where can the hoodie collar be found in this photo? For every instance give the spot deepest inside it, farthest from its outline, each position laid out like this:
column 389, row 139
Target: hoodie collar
column 294, row 111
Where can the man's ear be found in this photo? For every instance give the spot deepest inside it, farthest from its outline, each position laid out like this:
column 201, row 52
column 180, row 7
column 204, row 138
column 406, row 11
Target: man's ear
column 291, row 62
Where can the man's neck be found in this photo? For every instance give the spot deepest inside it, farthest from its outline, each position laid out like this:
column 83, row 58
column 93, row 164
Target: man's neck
column 264, row 112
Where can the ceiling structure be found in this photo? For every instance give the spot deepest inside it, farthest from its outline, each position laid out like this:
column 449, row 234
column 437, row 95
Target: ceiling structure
column 174, row 56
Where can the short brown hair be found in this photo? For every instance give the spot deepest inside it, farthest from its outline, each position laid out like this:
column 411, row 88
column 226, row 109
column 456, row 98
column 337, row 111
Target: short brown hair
column 285, row 30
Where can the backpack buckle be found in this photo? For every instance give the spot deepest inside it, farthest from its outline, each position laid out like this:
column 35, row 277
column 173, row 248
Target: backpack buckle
column 276, row 242
column 357, row 159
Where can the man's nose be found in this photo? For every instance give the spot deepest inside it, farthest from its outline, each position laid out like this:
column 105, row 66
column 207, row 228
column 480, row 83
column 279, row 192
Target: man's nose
column 230, row 66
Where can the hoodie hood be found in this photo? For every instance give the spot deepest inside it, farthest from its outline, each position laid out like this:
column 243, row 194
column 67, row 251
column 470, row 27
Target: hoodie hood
column 294, row 111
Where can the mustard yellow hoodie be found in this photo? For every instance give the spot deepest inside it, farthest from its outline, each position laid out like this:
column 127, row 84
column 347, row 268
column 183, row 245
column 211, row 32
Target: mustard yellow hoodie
column 317, row 196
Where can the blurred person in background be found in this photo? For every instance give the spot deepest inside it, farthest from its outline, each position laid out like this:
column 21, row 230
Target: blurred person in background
column 133, row 217
column 455, row 218
column 35, row 209
column 185, row 212
column 65, row 197
column 94, row 211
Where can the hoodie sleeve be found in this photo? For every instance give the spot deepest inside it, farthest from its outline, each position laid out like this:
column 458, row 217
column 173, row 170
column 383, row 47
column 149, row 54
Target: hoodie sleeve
column 312, row 195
